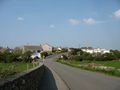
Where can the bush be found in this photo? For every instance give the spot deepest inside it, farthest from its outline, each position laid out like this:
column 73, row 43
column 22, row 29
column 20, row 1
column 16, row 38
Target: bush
column 116, row 54
column 27, row 56
column 13, row 57
column 64, row 50
column 104, row 57
column 87, row 56
column 77, row 58
column 17, row 52
column 64, row 57
column 44, row 54
column 108, row 56
column 7, row 57
column 50, row 53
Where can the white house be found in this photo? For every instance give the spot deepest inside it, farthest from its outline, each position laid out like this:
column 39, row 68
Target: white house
column 88, row 50
column 95, row 50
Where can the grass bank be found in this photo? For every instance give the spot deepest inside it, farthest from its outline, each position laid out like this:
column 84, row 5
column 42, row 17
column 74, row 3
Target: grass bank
column 77, row 64
column 7, row 69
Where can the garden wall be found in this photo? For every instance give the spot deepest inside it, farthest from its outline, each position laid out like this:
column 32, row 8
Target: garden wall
column 24, row 81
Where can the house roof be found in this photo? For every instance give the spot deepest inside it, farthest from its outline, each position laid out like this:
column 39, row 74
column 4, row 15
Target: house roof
column 33, row 47
column 5, row 50
column 86, row 47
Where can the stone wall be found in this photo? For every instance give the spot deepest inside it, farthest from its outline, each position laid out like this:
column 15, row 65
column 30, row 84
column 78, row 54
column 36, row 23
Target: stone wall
column 24, row 81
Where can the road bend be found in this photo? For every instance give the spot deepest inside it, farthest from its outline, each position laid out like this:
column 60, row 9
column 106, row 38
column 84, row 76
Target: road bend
column 77, row 79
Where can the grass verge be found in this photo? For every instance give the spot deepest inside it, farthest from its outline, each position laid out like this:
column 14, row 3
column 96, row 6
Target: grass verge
column 114, row 63
column 75, row 64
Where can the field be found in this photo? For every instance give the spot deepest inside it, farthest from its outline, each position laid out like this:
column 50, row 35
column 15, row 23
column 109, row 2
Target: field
column 7, row 69
column 76, row 64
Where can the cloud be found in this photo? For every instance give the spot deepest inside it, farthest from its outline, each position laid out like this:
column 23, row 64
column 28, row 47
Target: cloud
column 117, row 14
column 74, row 21
column 20, row 19
column 52, row 26
column 91, row 21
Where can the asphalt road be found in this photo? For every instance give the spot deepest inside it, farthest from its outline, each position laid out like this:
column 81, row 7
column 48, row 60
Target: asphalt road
column 77, row 79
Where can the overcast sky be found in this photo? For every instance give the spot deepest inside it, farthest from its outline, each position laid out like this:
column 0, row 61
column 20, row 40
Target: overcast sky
column 72, row 23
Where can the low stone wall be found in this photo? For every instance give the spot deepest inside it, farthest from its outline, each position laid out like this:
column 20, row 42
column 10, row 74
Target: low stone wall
column 24, row 81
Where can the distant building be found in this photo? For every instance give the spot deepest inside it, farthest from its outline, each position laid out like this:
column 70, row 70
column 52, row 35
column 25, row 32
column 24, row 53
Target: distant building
column 47, row 48
column 32, row 48
column 8, row 50
column 87, row 48
column 36, row 49
column 59, row 48
column 70, row 49
column 94, row 50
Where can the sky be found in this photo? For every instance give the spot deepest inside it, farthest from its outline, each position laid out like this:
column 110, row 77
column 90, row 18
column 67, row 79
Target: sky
column 66, row 23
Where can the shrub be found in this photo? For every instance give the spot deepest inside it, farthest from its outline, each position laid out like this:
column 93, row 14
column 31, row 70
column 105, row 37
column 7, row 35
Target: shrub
column 116, row 54
column 104, row 57
column 77, row 58
column 87, row 56
column 64, row 57
column 27, row 56
column 108, row 56
column 64, row 50
column 8, row 57
column 17, row 52
column 44, row 54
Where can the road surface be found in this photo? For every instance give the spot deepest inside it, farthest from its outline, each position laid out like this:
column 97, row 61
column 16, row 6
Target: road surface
column 77, row 79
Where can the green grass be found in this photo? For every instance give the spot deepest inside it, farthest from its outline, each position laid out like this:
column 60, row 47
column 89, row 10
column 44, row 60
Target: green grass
column 106, row 63
column 7, row 69
column 115, row 64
